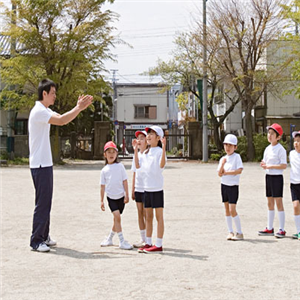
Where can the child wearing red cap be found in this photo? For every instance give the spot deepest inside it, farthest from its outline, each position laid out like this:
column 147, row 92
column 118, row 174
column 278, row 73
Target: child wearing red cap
column 295, row 181
column 138, row 187
column 274, row 162
column 153, row 165
column 113, row 181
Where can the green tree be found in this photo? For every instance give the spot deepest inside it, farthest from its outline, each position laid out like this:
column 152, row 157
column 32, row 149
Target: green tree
column 291, row 13
column 66, row 41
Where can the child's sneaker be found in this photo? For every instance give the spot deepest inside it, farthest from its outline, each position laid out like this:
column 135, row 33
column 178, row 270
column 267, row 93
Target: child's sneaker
column 106, row 242
column 153, row 249
column 141, row 250
column 125, row 245
column 266, row 232
column 238, row 237
column 139, row 244
column 230, row 236
column 280, row 234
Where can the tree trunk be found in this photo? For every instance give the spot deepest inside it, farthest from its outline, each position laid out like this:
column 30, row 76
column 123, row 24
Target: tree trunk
column 217, row 137
column 249, row 135
column 55, row 146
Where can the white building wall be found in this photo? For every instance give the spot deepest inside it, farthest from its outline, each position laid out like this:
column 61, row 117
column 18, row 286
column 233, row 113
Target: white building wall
column 129, row 96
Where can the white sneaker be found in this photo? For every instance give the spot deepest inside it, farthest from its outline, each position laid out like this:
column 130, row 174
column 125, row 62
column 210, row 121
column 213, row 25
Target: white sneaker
column 106, row 242
column 125, row 245
column 42, row 248
column 50, row 242
column 139, row 244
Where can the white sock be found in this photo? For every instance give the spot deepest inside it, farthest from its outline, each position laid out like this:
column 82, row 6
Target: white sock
column 297, row 222
column 158, row 242
column 148, row 240
column 281, row 216
column 111, row 235
column 143, row 235
column 121, row 237
column 237, row 223
column 229, row 223
column 271, row 216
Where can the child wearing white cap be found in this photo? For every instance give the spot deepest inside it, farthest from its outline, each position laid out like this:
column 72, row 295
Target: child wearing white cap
column 113, row 181
column 153, row 165
column 295, row 181
column 229, row 169
column 274, row 162
column 138, row 186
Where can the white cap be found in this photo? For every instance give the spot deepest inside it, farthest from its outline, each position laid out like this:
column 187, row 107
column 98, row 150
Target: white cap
column 295, row 133
column 157, row 129
column 230, row 139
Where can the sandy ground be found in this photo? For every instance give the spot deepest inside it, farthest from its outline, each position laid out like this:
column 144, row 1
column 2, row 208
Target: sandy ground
column 197, row 262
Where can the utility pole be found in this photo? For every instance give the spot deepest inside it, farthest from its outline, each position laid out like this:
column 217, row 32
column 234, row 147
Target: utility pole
column 204, row 111
column 10, row 113
column 114, row 100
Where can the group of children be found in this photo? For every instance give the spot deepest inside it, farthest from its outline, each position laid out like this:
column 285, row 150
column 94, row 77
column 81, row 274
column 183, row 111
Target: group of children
column 274, row 162
column 147, row 190
column 147, row 185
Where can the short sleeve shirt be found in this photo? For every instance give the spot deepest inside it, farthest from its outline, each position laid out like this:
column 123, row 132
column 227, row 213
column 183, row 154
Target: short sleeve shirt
column 295, row 167
column 112, row 176
column 39, row 136
column 233, row 162
column 139, row 173
column 274, row 155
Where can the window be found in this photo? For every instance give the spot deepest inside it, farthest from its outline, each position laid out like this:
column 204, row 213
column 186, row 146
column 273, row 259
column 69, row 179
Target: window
column 21, row 127
column 145, row 112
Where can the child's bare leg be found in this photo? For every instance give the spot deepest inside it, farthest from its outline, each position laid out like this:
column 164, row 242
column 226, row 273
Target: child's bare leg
column 296, row 205
column 149, row 222
column 141, row 215
column 160, row 222
column 117, row 221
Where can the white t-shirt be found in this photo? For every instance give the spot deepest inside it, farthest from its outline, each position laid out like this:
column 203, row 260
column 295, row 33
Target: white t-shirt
column 39, row 136
column 233, row 162
column 139, row 174
column 154, row 180
column 274, row 155
column 112, row 176
column 295, row 167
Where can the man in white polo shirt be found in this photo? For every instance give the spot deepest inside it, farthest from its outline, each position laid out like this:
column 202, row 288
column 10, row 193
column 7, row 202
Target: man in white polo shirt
column 40, row 158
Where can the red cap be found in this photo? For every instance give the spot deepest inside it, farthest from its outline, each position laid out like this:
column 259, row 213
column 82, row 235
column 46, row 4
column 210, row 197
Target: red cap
column 140, row 132
column 276, row 127
column 110, row 145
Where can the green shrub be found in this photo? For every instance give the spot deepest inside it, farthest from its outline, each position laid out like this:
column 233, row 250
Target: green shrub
column 215, row 156
column 242, row 147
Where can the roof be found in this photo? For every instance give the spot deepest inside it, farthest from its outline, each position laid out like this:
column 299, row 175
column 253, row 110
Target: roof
column 5, row 46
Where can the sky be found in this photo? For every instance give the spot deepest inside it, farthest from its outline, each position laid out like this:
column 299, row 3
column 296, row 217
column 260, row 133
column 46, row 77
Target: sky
column 150, row 28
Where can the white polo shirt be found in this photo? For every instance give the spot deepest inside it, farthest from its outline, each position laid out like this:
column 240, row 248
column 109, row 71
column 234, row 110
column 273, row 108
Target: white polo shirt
column 295, row 167
column 39, row 136
column 274, row 155
column 233, row 162
column 112, row 176
column 139, row 174
column 154, row 181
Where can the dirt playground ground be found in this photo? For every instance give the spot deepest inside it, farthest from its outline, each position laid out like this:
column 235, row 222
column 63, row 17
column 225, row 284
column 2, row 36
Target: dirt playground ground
column 197, row 263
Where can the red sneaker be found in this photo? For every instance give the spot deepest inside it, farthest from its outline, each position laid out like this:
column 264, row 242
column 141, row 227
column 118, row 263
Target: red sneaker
column 153, row 249
column 141, row 250
column 266, row 232
column 280, row 234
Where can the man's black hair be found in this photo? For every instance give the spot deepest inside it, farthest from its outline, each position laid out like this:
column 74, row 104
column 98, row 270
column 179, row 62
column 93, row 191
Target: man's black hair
column 45, row 85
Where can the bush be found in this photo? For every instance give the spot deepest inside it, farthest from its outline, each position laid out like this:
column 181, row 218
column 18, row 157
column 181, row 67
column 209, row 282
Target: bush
column 215, row 156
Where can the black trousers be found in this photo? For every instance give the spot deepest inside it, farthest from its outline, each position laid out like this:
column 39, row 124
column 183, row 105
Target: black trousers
column 43, row 183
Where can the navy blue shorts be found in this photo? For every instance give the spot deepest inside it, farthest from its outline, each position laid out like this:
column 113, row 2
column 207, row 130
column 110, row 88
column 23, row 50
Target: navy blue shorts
column 295, row 191
column 230, row 193
column 116, row 204
column 154, row 199
column 139, row 197
column 274, row 186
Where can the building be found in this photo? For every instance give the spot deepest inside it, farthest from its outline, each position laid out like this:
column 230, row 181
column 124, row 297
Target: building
column 138, row 106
